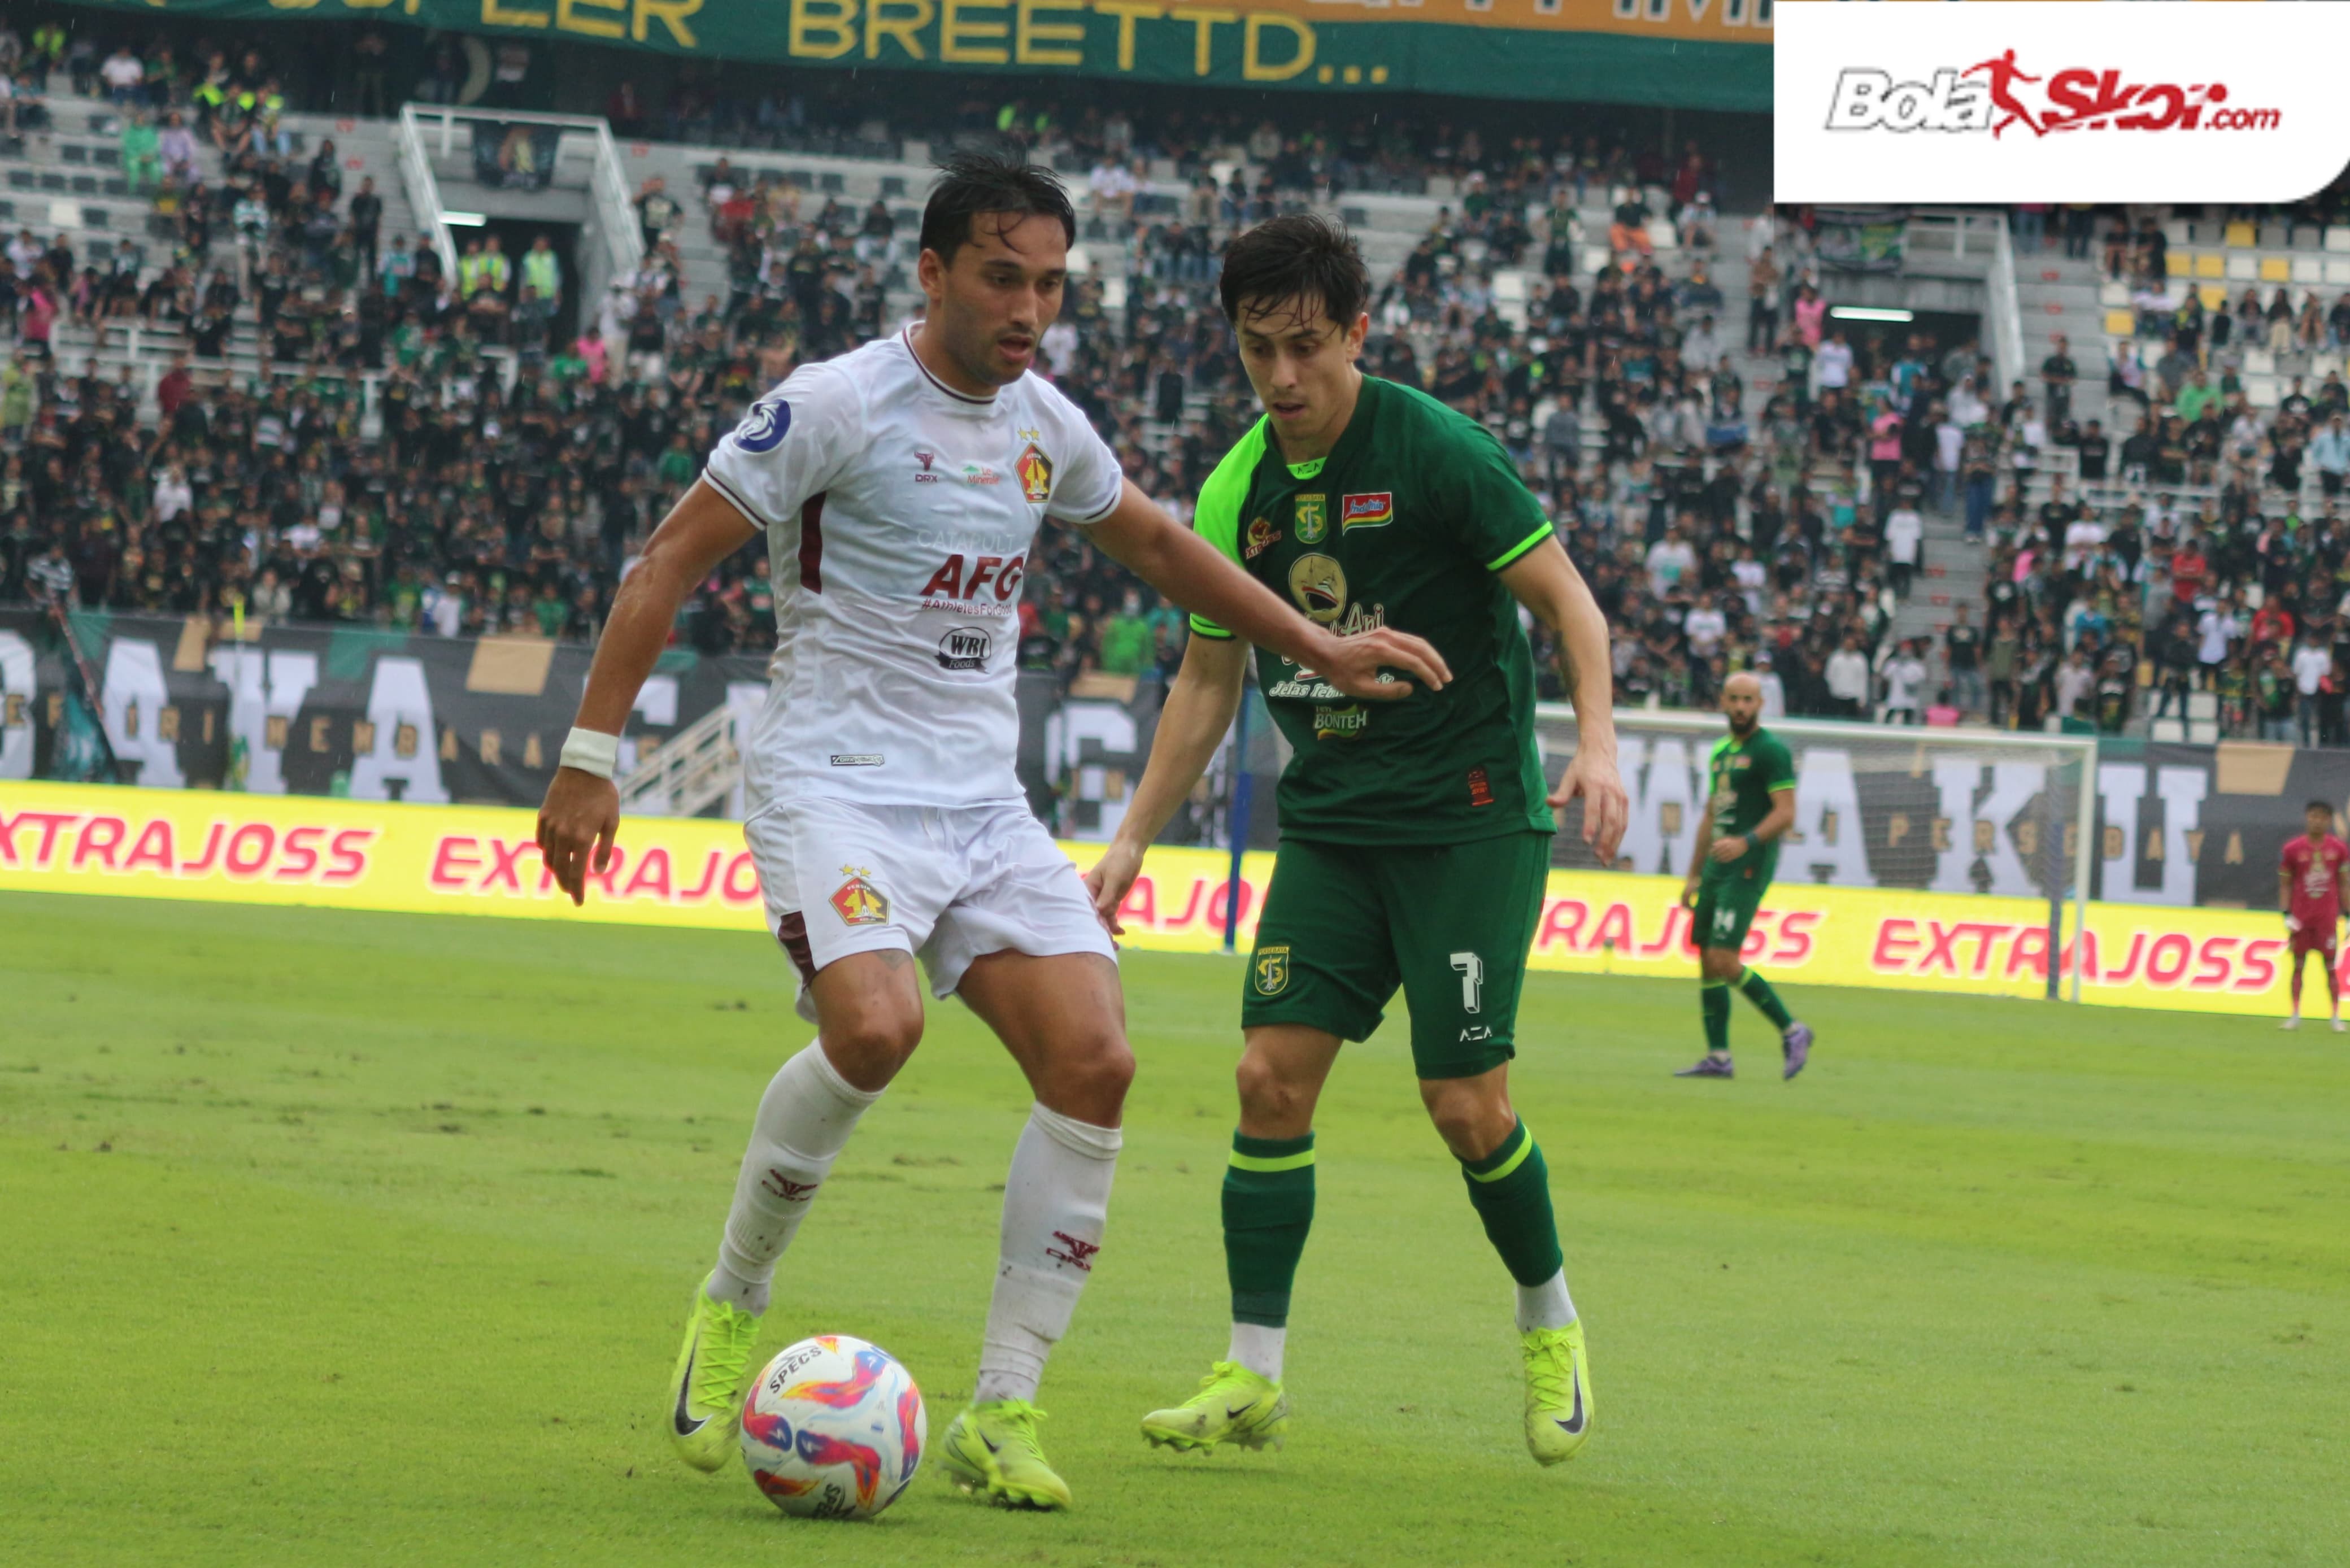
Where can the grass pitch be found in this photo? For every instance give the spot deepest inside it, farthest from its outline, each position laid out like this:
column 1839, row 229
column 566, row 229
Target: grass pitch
column 342, row 1238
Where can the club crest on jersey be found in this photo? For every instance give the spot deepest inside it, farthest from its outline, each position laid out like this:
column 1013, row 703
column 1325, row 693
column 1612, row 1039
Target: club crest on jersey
column 1036, row 471
column 763, row 428
column 1270, row 972
column 1370, row 510
column 1313, row 518
column 1318, row 584
column 858, row 901
column 1262, row 536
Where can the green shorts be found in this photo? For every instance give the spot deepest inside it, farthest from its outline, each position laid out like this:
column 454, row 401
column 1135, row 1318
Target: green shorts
column 1344, row 925
column 1725, row 908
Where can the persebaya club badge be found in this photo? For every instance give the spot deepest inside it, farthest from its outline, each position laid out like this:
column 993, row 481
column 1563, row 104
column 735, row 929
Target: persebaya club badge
column 1272, row 971
column 1313, row 518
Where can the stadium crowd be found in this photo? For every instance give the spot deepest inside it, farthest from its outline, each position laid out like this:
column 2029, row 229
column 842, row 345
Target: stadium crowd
column 516, row 470
column 2196, row 547
column 1745, row 484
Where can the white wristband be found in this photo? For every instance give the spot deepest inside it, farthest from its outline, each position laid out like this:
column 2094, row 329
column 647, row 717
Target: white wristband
column 592, row 752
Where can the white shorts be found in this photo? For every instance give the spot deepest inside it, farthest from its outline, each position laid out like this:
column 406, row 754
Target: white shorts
column 949, row 884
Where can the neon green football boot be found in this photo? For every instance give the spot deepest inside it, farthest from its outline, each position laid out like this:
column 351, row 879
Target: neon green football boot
column 705, row 1392
column 1559, row 1393
column 1233, row 1404
column 992, row 1452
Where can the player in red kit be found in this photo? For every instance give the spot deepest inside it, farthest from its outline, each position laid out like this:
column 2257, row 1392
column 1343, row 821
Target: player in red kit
column 2311, row 883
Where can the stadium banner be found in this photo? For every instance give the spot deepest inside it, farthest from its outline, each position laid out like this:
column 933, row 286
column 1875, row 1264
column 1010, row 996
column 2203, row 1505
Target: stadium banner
column 212, row 847
column 1700, row 54
column 370, row 714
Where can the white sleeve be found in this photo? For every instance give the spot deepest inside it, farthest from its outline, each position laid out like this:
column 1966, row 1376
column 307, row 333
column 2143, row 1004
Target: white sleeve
column 791, row 445
column 1087, row 478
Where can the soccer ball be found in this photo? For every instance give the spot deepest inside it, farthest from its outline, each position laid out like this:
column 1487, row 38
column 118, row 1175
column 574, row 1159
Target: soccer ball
column 833, row 1428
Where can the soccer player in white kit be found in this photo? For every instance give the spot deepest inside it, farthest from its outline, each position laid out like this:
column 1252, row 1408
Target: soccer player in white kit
column 900, row 487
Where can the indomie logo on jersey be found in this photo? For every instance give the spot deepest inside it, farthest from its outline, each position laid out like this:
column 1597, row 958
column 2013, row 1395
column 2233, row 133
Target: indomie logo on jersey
column 1262, row 536
column 1313, row 518
column 1036, row 471
column 1368, row 511
column 858, row 901
column 1270, row 972
column 964, row 648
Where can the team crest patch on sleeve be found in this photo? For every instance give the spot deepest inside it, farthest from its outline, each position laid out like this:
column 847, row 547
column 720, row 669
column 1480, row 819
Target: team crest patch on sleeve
column 858, row 901
column 1036, row 471
column 1368, row 511
column 1270, row 972
column 1262, row 536
column 1313, row 517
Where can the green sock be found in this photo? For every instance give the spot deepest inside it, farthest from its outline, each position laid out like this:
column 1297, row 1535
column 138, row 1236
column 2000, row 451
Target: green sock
column 1758, row 992
column 1268, row 1209
column 1509, row 1189
column 1713, row 1000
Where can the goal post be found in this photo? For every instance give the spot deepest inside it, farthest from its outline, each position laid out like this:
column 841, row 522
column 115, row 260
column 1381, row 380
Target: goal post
column 1876, row 806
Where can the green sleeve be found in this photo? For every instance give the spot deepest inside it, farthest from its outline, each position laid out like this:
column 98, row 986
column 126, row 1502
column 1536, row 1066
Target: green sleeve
column 1496, row 517
column 1216, row 518
column 1778, row 764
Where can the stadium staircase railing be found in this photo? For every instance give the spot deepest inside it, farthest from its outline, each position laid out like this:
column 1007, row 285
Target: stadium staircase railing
column 429, row 131
column 693, row 770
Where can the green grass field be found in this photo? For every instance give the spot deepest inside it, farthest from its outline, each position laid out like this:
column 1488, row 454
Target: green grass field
column 338, row 1238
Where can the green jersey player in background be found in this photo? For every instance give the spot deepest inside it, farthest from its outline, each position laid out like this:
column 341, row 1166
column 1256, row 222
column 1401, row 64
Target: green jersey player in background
column 1415, row 836
column 1750, row 805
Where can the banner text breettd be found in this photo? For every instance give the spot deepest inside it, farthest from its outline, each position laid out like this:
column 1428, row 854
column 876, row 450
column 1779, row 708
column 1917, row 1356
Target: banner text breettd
column 1712, row 56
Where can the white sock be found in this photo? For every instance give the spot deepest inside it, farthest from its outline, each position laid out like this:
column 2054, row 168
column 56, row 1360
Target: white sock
column 1545, row 1305
column 1258, row 1347
column 1054, row 1203
column 804, row 1122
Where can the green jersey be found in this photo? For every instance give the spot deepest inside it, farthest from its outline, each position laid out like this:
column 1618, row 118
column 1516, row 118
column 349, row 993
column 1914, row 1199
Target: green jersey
column 1403, row 524
column 1741, row 776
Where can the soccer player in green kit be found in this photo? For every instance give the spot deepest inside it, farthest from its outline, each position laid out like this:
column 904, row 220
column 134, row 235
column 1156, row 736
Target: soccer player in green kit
column 1751, row 804
column 1415, row 836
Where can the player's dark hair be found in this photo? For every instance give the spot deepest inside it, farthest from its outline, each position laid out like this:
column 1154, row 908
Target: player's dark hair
column 2325, row 805
column 1300, row 266
column 974, row 181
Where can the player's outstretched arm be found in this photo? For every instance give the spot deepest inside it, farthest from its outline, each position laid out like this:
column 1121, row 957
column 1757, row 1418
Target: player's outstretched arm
column 1191, row 725
column 1203, row 579
column 582, row 810
column 1546, row 582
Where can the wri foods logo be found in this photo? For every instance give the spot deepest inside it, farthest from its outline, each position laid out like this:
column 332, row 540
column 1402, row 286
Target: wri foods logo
column 1999, row 93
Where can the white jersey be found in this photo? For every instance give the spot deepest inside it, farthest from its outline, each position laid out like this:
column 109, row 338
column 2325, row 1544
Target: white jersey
column 899, row 515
